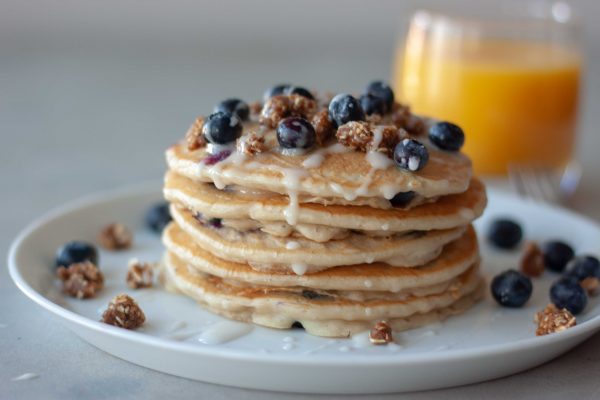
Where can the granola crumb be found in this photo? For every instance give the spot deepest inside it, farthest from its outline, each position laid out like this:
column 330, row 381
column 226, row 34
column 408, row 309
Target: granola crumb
column 381, row 333
column 124, row 312
column 323, row 126
column 280, row 107
column 403, row 118
column 115, row 236
column 359, row 135
column 81, row 280
column 532, row 261
column 591, row 285
column 193, row 137
column 551, row 320
column 255, row 108
column 251, row 144
column 139, row 275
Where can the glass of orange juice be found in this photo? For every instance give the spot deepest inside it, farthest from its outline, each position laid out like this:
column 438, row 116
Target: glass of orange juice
column 510, row 80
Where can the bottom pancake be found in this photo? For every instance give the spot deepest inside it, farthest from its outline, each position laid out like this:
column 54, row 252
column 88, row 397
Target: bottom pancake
column 319, row 315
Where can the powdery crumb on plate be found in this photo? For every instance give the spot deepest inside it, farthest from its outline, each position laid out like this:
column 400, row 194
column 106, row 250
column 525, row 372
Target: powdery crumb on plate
column 25, row 377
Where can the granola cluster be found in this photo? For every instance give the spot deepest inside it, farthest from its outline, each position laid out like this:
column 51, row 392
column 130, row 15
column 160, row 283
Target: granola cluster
column 251, row 144
column 532, row 261
column 324, row 128
column 403, row 118
column 591, row 285
column 193, row 137
column 381, row 333
column 360, row 135
column 81, row 280
column 115, row 236
column 139, row 274
column 124, row 312
column 551, row 320
column 282, row 106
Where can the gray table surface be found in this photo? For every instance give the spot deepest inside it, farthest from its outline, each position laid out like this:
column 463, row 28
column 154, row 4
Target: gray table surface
column 92, row 93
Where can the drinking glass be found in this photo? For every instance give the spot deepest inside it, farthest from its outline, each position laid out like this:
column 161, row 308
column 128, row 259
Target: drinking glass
column 509, row 77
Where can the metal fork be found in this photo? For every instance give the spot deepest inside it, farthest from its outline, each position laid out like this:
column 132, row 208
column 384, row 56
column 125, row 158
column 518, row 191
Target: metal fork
column 545, row 184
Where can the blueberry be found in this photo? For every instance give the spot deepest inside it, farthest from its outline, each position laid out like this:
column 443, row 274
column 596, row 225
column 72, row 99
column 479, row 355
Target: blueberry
column 447, row 136
column 411, row 154
column 295, row 133
column 345, row 108
column 584, row 267
column 372, row 104
column 215, row 222
column 383, row 91
column 158, row 216
column 402, row 199
column 299, row 91
column 276, row 91
column 511, row 288
column 76, row 252
column 234, row 106
column 217, row 157
column 556, row 255
column 504, row 233
column 222, row 128
column 568, row 293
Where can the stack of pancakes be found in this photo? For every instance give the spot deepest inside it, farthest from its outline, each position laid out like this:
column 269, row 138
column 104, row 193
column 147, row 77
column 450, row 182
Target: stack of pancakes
column 315, row 238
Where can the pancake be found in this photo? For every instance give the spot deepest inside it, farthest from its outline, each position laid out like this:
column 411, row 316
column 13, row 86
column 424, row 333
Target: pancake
column 336, row 174
column 281, row 309
column 268, row 253
column 456, row 258
column 447, row 212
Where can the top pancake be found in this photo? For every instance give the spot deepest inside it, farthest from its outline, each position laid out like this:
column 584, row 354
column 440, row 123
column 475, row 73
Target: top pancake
column 346, row 174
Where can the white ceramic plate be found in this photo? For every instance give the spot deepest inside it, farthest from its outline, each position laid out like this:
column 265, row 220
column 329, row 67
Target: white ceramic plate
column 485, row 343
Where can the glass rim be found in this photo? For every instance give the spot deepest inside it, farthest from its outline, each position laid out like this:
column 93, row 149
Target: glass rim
column 560, row 13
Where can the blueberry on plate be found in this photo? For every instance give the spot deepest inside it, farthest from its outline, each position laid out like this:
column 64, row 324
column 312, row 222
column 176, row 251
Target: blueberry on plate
column 556, row 255
column 222, row 128
column 276, row 90
column 295, row 133
column 568, row 293
column 402, row 199
column 383, row 91
column 158, row 216
column 345, row 108
column 504, row 233
column 447, row 136
column 511, row 288
column 584, row 267
column 411, row 154
column 299, row 91
column 75, row 252
column 234, row 106
column 372, row 104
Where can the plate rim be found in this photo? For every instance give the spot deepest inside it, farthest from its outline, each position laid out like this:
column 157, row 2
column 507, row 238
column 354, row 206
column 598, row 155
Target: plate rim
column 355, row 360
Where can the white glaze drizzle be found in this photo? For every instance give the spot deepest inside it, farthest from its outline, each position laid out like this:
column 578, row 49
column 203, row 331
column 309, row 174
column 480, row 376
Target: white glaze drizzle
column 288, row 346
column 224, row 331
column 376, row 159
column 299, row 268
column 361, row 340
column 291, row 180
column 317, row 157
column 176, row 326
column 292, row 245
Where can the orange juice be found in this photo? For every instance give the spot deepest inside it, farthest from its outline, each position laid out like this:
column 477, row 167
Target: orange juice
column 516, row 101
